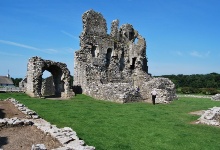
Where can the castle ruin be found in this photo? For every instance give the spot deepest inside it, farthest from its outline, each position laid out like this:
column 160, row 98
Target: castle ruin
column 114, row 66
column 58, row 85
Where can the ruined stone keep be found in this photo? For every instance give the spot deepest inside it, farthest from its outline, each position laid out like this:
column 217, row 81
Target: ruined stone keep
column 114, row 66
column 59, row 81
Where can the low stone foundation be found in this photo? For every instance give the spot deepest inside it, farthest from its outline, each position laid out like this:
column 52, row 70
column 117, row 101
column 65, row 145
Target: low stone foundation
column 66, row 136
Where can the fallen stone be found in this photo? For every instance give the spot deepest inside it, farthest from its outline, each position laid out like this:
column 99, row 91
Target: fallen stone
column 3, row 122
column 211, row 117
column 64, row 140
column 18, row 122
column 38, row 147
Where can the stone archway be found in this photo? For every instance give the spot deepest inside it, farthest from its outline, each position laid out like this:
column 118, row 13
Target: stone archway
column 61, row 77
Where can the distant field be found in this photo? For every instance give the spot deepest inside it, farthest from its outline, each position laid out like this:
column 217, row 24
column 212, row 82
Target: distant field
column 132, row 126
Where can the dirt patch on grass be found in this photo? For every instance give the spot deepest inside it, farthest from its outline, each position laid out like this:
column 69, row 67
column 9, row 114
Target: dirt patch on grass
column 8, row 110
column 17, row 138
column 23, row 137
column 198, row 113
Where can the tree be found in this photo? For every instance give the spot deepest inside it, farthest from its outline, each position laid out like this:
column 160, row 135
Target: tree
column 196, row 81
column 16, row 81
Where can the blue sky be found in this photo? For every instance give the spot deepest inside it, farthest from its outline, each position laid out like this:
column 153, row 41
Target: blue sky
column 183, row 36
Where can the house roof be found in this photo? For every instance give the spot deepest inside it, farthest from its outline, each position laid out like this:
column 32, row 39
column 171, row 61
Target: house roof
column 6, row 80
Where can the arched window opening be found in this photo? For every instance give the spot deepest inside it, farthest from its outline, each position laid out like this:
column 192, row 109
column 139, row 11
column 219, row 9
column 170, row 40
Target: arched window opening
column 46, row 74
column 135, row 40
column 133, row 63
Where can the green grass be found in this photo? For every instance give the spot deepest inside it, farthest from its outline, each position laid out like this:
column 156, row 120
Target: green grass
column 132, row 126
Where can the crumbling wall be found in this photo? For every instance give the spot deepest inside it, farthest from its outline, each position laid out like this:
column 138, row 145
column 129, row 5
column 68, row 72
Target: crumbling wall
column 61, row 77
column 112, row 66
column 23, row 84
column 165, row 89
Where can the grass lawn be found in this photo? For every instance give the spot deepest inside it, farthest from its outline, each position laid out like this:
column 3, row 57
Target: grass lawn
column 132, row 126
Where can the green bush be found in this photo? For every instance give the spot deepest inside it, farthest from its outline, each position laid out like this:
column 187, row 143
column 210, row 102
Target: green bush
column 209, row 91
column 189, row 90
column 206, row 91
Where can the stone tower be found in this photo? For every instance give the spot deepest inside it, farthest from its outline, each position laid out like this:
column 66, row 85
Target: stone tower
column 112, row 66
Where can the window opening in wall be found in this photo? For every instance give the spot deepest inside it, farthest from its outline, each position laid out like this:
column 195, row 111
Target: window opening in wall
column 131, row 35
column 46, row 74
column 135, row 40
column 133, row 63
column 108, row 57
column 121, row 61
column 93, row 51
column 145, row 67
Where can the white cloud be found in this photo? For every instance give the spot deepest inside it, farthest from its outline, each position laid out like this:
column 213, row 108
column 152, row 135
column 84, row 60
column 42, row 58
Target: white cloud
column 199, row 54
column 207, row 53
column 10, row 54
column 195, row 54
column 179, row 53
column 70, row 35
column 48, row 51
column 18, row 45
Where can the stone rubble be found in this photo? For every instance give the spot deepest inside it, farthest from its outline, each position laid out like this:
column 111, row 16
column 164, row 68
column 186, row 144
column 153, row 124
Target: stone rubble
column 210, row 117
column 113, row 66
column 12, row 122
column 195, row 96
column 216, row 97
column 66, row 136
column 38, row 147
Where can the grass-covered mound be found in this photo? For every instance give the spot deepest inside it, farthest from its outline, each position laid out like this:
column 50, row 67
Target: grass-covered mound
column 132, row 126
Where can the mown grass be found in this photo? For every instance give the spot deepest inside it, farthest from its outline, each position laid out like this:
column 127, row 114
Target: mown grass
column 132, row 126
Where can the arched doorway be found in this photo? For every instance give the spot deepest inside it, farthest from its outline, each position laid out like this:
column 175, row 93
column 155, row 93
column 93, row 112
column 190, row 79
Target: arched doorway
column 60, row 77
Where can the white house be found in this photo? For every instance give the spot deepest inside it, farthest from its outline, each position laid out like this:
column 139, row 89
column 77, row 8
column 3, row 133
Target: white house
column 6, row 81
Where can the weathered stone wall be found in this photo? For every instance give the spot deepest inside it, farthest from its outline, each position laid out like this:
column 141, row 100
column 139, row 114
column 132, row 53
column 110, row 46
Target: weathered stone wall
column 23, row 84
column 164, row 88
column 111, row 66
column 117, row 92
column 61, row 77
column 216, row 97
column 48, row 87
